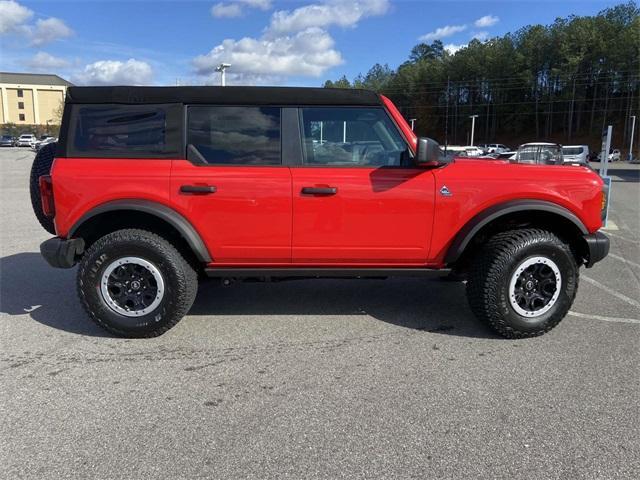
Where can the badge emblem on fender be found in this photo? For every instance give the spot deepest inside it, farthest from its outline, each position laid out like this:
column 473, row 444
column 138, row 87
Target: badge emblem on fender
column 445, row 192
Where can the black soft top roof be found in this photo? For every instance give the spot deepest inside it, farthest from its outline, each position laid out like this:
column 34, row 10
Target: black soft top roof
column 223, row 95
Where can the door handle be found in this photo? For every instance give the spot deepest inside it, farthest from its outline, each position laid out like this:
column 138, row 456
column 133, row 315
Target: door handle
column 319, row 191
column 198, row 189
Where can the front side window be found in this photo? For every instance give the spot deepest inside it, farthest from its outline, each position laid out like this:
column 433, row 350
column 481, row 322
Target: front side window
column 234, row 135
column 136, row 131
column 335, row 136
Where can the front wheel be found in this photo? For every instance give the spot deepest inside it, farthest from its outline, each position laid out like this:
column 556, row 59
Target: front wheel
column 134, row 283
column 523, row 282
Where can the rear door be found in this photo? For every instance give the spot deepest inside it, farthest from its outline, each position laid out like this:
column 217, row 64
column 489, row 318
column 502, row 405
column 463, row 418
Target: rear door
column 233, row 186
column 357, row 196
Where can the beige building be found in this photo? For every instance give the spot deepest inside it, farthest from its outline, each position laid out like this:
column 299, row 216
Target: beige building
column 31, row 98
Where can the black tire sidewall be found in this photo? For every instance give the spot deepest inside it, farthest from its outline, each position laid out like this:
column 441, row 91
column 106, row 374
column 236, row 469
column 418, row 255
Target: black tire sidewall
column 96, row 262
column 568, row 273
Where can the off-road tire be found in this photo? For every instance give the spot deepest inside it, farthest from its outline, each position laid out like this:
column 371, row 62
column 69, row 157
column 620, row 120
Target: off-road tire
column 491, row 272
column 180, row 282
column 41, row 166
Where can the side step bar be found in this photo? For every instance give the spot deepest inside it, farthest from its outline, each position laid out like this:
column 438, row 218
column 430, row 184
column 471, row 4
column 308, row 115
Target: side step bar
column 320, row 272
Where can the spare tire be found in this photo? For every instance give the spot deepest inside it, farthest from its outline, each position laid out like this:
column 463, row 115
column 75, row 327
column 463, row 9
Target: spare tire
column 41, row 166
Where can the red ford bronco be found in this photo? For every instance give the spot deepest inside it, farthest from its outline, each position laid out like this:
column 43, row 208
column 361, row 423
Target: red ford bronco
column 150, row 187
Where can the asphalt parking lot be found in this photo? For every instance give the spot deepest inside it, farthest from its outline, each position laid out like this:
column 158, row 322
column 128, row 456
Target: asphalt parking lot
column 316, row 379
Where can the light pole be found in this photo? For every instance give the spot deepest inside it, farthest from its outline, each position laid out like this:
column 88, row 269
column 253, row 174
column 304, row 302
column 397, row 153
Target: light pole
column 221, row 68
column 633, row 130
column 413, row 122
column 473, row 127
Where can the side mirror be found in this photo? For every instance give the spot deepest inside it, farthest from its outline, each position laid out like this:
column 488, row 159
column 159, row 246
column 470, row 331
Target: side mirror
column 428, row 152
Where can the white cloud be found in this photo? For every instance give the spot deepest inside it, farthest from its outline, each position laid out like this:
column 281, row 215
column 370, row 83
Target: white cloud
column 13, row 16
column 443, row 32
column 482, row 36
column 309, row 52
column 46, row 61
column 486, row 21
column 49, row 30
column 337, row 12
column 113, row 72
column 234, row 8
column 452, row 48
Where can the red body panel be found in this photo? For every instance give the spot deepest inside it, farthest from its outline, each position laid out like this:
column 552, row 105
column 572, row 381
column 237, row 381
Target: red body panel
column 80, row 184
column 248, row 218
column 378, row 215
column 476, row 185
column 401, row 122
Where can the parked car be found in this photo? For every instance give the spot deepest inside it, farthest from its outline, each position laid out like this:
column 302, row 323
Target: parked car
column 7, row 141
column 575, row 154
column 464, row 151
column 506, row 155
column 540, row 152
column 614, row 155
column 228, row 182
column 45, row 141
column 27, row 140
column 496, row 148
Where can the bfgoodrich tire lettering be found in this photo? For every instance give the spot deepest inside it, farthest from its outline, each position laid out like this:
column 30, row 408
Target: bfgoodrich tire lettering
column 179, row 278
column 492, row 273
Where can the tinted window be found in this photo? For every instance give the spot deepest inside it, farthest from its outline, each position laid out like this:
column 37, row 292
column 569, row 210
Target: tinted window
column 352, row 137
column 572, row 151
column 235, row 135
column 121, row 130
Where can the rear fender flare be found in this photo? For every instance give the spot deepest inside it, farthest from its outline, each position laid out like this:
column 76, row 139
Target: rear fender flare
column 173, row 218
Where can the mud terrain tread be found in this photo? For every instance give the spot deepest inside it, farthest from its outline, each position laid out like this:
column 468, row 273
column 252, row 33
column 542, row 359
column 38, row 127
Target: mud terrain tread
column 484, row 282
column 41, row 166
column 185, row 287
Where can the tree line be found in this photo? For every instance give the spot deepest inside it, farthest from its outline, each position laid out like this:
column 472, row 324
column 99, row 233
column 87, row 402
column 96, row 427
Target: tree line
column 563, row 82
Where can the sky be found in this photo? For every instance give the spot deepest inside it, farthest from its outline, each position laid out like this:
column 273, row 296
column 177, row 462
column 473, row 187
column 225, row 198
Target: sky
column 267, row 42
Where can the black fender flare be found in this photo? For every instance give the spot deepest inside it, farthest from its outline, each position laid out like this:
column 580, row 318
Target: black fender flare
column 473, row 226
column 169, row 215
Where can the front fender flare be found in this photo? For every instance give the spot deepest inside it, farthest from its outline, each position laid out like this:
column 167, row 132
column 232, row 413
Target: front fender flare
column 173, row 218
column 473, row 226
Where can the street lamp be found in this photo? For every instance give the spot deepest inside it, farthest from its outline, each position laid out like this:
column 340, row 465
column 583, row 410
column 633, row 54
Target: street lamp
column 473, row 126
column 221, row 68
column 633, row 129
column 413, row 122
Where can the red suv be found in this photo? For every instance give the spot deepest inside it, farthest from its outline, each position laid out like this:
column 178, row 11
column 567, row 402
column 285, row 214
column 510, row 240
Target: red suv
column 150, row 187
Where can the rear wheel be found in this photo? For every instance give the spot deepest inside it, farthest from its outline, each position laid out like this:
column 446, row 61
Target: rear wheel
column 523, row 282
column 41, row 166
column 134, row 283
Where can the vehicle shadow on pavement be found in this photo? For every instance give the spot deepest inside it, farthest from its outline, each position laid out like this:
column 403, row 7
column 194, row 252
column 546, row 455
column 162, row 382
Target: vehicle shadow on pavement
column 48, row 295
column 430, row 305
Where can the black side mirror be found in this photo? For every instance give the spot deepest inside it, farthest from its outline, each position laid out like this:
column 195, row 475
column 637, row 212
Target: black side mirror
column 428, row 152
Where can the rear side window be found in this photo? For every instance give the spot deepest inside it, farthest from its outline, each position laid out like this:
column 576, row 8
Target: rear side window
column 126, row 131
column 234, row 135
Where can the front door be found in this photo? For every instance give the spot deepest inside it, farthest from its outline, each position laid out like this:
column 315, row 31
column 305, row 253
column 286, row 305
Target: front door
column 233, row 187
column 357, row 197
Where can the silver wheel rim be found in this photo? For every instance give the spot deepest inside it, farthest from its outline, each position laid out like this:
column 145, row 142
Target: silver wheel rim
column 535, row 287
column 142, row 284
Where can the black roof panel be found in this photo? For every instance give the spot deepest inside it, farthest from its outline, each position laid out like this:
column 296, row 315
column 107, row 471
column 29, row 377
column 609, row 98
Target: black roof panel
column 280, row 96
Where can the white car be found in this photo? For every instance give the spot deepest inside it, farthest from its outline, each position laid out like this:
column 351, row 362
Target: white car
column 497, row 148
column 575, row 154
column 27, row 140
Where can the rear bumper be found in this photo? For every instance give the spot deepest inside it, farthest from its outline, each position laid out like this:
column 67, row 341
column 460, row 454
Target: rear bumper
column 597, row 247
column 62, row 253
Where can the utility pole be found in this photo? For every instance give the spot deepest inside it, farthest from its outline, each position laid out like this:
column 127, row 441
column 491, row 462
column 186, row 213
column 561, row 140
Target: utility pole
column 413, row 122
column 221, row 68
column 633, row 129
column 473, row 127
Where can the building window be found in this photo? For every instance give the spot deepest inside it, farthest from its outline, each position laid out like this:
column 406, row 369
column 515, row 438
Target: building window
column 21, row 117
column 20, row 93
column 20, row 105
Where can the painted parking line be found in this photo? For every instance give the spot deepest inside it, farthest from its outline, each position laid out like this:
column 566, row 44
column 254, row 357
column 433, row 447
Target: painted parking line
column 624, row 260
column 615, row 235
column 604, row 319
column 611, row 225
column 611, row 291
